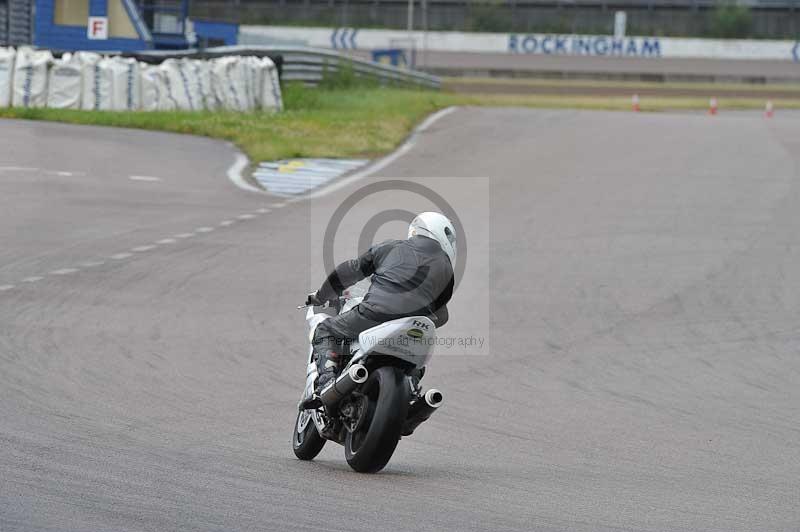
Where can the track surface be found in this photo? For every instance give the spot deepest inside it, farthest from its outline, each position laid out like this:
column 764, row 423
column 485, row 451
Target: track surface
column 495, row 86
column 647, row 69
column 507, row 65
column 643, row 369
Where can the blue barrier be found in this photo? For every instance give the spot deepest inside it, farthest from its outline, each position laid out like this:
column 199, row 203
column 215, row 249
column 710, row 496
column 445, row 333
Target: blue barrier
column 391, row 56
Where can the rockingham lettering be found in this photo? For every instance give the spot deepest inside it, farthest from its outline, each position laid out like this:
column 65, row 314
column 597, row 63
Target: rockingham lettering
column 592, row 45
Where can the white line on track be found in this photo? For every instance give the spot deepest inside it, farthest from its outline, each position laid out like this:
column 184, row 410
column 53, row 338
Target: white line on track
column 246, row 216
column 278, row 205
column 140, row 249
column 263, row 211
column 204, row 229
column 17, row 169
column 380, row 164
column 184, row 235
column 235, row 174
column 93, row 263
column 6, row 287
column 33, row 279
column 166, row 241
column 121, row 256
column 63, row 173
column 226, row 223
column 147, row 178
column 64, row 271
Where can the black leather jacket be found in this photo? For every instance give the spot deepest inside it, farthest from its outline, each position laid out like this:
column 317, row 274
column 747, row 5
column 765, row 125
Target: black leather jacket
column 411, row 277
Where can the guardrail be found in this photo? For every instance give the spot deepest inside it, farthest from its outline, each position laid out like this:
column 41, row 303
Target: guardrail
column 310, row 65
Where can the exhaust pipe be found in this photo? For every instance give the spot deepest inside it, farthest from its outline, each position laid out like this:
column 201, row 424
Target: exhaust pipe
column 344, row 385
column 421, row 410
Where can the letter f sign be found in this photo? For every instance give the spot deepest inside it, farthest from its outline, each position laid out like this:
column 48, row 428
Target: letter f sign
column 98, row 28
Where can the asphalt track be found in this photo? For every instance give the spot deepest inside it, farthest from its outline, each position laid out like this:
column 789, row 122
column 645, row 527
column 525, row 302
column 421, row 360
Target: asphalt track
column 630, row 68
column 510, row 86
column 654, row 69
column 641, row 373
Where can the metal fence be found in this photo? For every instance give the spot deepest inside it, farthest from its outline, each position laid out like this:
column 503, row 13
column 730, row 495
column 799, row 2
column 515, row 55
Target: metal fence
column 312, row 65
column 778, row 19
column 3, row 23
column 20, row 22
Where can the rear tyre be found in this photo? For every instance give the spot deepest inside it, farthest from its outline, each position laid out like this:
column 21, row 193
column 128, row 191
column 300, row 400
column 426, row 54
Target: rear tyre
column 306, row 441
column 369, row 448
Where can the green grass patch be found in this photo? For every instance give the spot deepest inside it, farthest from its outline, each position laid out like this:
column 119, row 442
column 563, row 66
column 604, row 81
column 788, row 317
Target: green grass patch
column 354, row 121
column 359, row 122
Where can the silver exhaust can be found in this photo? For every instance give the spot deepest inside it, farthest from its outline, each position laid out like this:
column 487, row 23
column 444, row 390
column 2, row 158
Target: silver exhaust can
column 344, row 385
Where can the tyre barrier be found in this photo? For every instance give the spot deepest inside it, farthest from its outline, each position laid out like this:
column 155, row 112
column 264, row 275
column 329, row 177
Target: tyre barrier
column 90, row 81
column 307, row 65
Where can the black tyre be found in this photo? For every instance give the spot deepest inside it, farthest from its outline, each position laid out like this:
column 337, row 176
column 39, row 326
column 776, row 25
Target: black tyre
column 369, row 448
column 306, row 443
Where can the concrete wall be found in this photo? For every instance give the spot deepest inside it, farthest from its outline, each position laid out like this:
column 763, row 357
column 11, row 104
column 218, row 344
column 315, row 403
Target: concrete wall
column 524, row 44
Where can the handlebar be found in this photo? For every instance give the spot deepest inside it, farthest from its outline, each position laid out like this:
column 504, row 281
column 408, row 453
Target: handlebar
column 336, row 305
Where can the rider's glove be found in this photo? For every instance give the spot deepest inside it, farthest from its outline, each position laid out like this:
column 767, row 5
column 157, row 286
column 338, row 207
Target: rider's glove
column 314, row 300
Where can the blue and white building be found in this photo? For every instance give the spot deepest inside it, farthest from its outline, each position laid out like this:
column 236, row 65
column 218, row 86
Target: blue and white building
column 108, row 25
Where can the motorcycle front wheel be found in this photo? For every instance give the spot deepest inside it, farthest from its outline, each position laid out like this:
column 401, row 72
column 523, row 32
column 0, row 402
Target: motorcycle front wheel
column 369, row 447
column 306, row 441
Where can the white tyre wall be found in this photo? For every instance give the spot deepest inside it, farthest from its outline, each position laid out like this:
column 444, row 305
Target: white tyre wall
column 98, row 83
column 87, row 57
column 202, row 70
column 87, row 61
column 237, row 84
column 65, row 83
column 271, row 97
column 126, row 85
column 7, row 56
column 89, row 81
column 183, row 85
column 218, row 84
column 253, row 76
column 229, row 81
column 247, row 83
column 151, row 87
column 30, row 78
column 155, row 92
column 167, row 101
column 190, row 80
column 175, row 89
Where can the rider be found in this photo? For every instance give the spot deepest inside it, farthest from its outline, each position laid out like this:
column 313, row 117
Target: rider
column 412, row 277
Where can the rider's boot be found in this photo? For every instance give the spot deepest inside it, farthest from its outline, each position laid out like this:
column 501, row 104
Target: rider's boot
column 327, row 367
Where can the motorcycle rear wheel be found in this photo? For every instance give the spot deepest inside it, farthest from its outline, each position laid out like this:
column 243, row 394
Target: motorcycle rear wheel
column 306, row 443
column 369, row 448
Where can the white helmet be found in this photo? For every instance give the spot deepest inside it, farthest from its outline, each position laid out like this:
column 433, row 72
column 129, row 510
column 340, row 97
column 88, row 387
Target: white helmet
column 436, row 226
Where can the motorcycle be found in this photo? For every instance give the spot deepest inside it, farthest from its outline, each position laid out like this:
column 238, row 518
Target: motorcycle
column 377, row 399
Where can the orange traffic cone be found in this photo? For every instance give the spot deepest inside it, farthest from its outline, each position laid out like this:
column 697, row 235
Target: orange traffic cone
column 770, row 111
column 635, row 103
column 713, row 106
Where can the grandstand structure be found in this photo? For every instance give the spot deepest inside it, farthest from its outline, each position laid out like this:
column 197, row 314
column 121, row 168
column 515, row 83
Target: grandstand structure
column 63, row 24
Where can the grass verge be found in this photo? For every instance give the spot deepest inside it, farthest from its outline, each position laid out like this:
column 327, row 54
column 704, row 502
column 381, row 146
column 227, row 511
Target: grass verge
column 347, row 122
